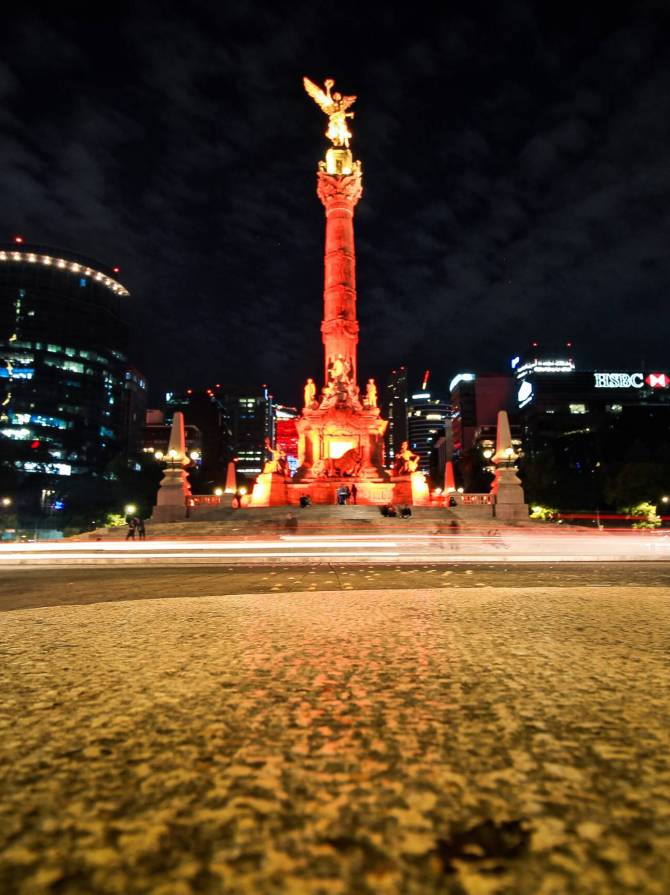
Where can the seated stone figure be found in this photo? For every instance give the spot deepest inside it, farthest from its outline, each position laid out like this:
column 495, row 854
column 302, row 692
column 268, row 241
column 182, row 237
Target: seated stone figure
column 278, row 464
column 406, row 461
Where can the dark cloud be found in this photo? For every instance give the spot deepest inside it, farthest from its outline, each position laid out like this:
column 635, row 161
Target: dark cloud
column 515, row 163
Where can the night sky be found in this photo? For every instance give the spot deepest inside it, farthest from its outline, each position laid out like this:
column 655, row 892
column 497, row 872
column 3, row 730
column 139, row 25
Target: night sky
column 516, row 161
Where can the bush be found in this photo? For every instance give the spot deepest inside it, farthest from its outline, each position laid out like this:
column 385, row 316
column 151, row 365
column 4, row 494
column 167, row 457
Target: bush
column 648, row 511
column 543, row 514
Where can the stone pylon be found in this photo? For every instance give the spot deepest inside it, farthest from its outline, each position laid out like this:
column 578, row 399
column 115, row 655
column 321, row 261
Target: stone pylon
column 506, row 487
column 174, row 489
column 449, row 480
column 231, row 479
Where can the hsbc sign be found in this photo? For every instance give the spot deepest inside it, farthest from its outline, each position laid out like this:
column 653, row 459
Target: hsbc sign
column 631, row 380
column 619, row 380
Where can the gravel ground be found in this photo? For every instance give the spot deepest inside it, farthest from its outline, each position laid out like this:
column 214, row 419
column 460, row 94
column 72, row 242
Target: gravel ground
column 470, row 740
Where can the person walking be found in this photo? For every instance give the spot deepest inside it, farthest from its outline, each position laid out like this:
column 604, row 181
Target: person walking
column 132, row 528
column 141, row 531
column 354, row 492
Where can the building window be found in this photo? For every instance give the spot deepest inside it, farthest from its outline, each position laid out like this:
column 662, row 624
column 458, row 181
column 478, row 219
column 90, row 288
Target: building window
column 577, row 408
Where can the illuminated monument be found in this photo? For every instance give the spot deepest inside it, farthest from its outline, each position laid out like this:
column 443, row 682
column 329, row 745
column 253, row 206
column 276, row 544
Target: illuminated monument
column 340, row 430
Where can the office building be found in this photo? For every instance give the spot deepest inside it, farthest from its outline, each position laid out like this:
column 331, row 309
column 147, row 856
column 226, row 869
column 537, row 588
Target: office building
column 426, row 420
column 67, row 407
column 234, row 422
column 395, row 407
column 156, row 435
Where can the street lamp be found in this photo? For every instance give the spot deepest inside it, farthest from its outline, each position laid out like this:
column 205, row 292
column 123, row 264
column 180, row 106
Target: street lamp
column 218, row 492
column 131, row 509
column 195, row 455
column 6, row 501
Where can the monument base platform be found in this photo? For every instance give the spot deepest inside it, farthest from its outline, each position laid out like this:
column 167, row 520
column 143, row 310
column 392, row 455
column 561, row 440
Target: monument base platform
column 272, row 490
column 169, row 513
column 324, row 491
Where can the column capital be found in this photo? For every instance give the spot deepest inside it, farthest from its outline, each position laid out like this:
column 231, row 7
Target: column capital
column 343, row 190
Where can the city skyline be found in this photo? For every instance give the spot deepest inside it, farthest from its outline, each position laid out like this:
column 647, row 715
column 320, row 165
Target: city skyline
column 532, row 203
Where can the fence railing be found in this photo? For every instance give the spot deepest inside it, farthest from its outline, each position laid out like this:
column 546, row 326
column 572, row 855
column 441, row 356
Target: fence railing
column 472, row 500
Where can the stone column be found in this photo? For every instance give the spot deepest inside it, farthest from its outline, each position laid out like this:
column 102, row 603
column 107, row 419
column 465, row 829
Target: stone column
column 339, row 194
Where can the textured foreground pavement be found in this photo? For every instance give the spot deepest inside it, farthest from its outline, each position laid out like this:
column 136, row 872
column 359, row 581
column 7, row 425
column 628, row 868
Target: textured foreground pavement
column 476, row 741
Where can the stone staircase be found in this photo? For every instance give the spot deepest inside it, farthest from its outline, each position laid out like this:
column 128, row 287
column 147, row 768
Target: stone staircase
column 222, row 522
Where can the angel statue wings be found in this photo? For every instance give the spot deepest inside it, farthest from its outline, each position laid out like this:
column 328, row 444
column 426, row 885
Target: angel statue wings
column 335, row 106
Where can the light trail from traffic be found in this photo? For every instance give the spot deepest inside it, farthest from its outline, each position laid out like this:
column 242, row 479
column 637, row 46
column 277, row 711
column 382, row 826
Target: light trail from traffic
column 500, row 545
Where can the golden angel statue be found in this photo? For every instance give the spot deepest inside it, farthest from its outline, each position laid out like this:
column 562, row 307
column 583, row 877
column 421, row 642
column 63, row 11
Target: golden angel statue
column 335, row 106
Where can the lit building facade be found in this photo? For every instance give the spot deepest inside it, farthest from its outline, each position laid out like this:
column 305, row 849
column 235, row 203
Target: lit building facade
column 234, row 422
column 204, row 412
column 475, row 400
column 286, row 434
column 67, row 406
column 581, row 430
column 156, row 435
column 395, row 405
column 573, row 405
column 250, row 415
column 426, row 422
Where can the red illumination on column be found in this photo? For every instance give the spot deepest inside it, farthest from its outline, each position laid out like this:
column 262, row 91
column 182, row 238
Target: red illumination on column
column 339, row 194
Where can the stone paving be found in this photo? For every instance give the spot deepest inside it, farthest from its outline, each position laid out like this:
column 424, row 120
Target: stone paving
column 482, row 740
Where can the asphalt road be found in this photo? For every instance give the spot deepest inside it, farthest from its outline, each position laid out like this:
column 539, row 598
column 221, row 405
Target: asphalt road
column 24, row 588
column 335, row 730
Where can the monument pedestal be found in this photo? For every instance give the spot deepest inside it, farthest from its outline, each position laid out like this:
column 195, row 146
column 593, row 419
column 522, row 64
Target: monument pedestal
column 509, row 504
column 269, row 490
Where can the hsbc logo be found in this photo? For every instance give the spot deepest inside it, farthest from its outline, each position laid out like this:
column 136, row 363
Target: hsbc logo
column 658, row 380
column 619, row 380
column 631, row 380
